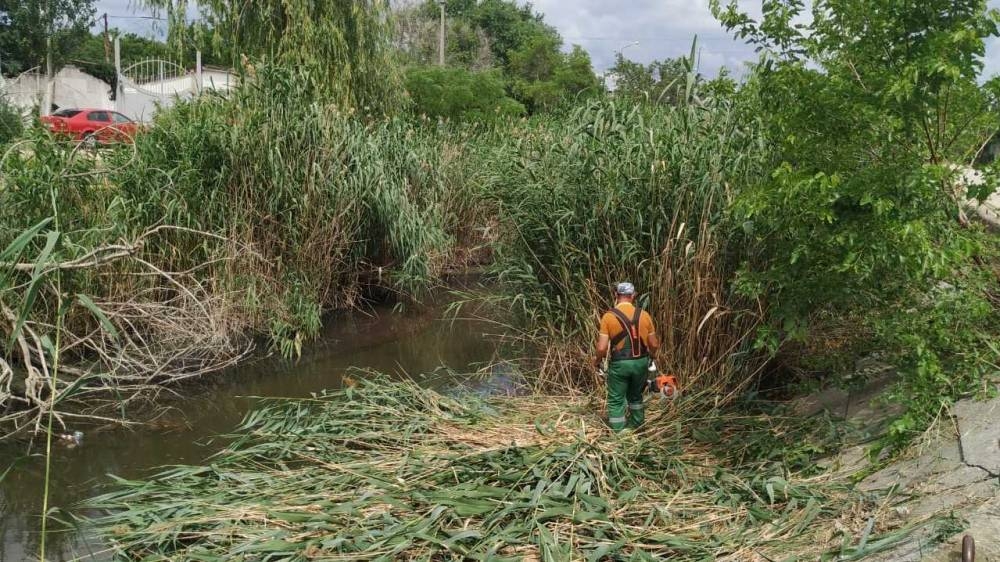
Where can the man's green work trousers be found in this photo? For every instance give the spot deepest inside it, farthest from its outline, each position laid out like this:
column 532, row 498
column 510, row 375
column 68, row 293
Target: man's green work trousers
column 626, row 384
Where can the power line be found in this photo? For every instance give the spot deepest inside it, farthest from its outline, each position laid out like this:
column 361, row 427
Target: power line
column 137, row 17
column 651, row 39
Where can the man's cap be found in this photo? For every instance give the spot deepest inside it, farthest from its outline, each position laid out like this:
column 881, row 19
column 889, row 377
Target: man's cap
column 625, row 289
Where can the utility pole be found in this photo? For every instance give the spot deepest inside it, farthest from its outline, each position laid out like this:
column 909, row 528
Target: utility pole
column 49, row 78
column 107, row 43
column 441, row 35
column 119, row 88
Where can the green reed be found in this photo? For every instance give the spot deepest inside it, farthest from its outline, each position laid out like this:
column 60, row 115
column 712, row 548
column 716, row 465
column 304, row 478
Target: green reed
column 612, row 192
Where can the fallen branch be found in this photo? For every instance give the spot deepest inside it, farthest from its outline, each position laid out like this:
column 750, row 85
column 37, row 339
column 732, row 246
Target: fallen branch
column 163, row 328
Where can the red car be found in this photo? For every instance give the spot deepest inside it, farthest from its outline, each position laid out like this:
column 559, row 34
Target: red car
column 92, row 125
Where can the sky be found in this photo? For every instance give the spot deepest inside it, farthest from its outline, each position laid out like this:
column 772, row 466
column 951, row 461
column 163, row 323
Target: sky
column 643, row 29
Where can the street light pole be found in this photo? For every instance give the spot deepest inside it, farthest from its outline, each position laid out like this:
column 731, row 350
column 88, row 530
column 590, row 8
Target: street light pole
column 626, row 46
column 441, row 35
column 613, row 76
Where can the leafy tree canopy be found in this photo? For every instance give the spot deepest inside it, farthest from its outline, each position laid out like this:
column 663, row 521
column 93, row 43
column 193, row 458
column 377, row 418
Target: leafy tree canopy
column 870, row 111
column 342, row 47
column 25, row 26
column 874, row 110
column 501, row 33
column 660, row 81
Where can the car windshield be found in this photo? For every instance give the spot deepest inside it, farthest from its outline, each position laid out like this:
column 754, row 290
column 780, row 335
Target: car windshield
column 66, row 113
column 119, row 118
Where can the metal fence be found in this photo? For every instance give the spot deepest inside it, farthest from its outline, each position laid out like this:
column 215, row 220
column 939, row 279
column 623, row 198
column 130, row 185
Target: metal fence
column 146, row 86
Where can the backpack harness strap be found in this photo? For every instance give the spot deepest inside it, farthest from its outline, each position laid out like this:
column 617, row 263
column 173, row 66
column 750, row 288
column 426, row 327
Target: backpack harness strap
column 630, row 329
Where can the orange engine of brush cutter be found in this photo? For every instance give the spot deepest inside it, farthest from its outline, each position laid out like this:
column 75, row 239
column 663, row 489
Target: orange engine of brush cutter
column 666, row 385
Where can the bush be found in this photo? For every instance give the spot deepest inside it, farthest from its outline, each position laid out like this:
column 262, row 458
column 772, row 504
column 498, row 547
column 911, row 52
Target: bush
column 459, row 94
column 11, row 122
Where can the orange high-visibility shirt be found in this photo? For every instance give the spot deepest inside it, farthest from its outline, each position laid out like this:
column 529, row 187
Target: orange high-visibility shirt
column 611, row 327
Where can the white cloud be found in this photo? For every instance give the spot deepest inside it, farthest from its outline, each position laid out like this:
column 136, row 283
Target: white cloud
column 663, row 28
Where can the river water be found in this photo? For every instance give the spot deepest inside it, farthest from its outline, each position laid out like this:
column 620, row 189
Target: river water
column 382, row 339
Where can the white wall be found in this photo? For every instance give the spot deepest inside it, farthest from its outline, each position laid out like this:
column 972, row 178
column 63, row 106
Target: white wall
column 71, row 88
column 142, row 101
column 75, row 88
column 25, row 91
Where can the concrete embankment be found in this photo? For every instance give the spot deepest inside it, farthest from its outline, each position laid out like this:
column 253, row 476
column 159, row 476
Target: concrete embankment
column 953, row 472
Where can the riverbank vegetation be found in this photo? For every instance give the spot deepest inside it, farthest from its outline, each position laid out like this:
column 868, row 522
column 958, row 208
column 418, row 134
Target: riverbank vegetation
column 800, row 218
column 183, row 245
column 780, row 227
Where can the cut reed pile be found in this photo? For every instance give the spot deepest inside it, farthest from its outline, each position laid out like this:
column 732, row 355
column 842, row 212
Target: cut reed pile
column 393, row 472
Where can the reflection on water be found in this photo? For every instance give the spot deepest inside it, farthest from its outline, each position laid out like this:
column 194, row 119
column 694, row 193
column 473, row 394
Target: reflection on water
column 383, row 340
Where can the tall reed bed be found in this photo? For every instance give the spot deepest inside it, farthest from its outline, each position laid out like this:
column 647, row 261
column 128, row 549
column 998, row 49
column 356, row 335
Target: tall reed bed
column 233, row 216
column 612, row 192
column 393, row 472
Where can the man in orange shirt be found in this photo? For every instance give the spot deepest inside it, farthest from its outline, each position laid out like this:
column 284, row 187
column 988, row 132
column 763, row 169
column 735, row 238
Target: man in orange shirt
column 628, row 333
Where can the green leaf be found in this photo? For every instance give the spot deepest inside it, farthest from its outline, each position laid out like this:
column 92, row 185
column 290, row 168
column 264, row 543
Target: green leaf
column 36, row 283
column 14, row 249
column 99, row 314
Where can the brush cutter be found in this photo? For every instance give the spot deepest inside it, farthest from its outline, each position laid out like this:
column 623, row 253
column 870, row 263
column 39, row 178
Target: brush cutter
column 663, row 384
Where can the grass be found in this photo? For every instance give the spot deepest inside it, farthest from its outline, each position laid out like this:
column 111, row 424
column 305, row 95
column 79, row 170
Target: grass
column 390, row 471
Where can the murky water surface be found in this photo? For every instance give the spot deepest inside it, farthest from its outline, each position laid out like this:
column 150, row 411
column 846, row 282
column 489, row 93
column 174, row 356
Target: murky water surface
column 384, row 340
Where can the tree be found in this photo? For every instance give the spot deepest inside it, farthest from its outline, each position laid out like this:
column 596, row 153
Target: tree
column 543, row 76
column 873, row 113
column 870, row 112
column 902, row 68
column 576, row 74
column 537, row 60
column 499, row 27
column 343, row 48
column 509, row 26
column 417, row 29
column 535, row 70
column 25, row 26
column 661, row 81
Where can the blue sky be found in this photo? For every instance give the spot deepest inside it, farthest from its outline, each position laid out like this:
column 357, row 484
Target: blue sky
column 662, row 28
